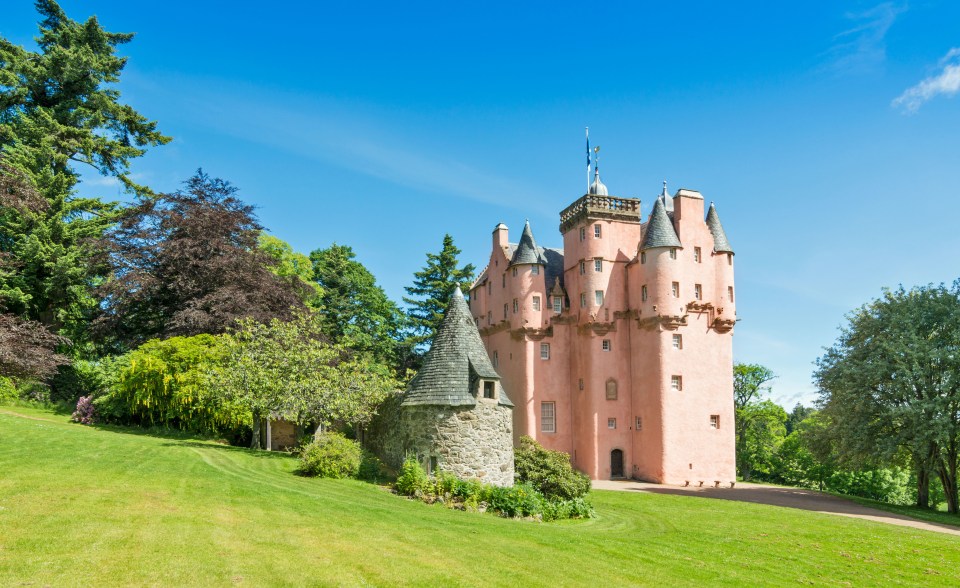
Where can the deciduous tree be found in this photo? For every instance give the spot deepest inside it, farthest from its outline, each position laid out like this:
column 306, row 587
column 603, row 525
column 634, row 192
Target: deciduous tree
column 757, row 424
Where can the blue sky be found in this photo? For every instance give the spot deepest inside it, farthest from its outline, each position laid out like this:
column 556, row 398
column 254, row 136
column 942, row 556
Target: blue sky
column 826, row 132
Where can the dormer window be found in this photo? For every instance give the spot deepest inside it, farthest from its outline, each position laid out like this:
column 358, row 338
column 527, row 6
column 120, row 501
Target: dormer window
column 557, row 304
column 490, row 389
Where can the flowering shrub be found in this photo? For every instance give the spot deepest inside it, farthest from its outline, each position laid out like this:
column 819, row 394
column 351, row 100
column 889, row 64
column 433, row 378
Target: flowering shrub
column 85, row 412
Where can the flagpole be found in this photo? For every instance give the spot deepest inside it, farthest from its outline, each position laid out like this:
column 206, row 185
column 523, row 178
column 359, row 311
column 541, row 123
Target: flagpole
column 588, row 160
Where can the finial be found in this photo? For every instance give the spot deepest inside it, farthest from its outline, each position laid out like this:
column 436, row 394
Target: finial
column 664, row 193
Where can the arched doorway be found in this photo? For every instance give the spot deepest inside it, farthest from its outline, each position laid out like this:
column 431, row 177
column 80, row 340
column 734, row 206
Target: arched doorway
column 616, row 463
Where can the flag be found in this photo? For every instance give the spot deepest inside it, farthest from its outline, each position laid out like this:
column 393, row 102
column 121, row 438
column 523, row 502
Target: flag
column 588, row 159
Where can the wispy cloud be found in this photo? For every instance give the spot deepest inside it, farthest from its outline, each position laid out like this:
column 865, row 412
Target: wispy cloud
column 945, row 82
column 863, row 48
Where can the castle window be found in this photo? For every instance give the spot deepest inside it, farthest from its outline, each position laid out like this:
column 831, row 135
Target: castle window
column 581, row 383
column 678, row 341
column 730, row 293
column 696, row 254
column 598, row 297
column 583, row 233
column 489, row 389
column 598, row 265
column 611, row 423
column 611, row 389
column 548, row 417
column 583, row 300
column 714, row 421
column 639, row 424
column 673, row 253
column 676, row 383
column 489, row 317
column 505, row 310
column 536, row 303
column 583, row 268
column 535, row 270
column 503, row 281
column 729, row 259
column 476, row 322
column 643, row 293
column 496, row 359
column 544, row 351
column 514, row 272
column 596, row 231
column 557, row 304
column 516, row 306
column 698, row 292
column 606, row 346
column 643, row 257
column 675, row 289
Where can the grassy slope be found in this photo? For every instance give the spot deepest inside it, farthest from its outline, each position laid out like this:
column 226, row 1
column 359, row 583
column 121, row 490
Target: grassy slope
column 81, row 505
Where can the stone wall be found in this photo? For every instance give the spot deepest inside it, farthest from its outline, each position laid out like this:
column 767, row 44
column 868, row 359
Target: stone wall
column 472, row 442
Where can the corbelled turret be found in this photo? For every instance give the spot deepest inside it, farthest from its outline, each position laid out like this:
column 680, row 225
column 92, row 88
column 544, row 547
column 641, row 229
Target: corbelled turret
column 527, row 251
column 660, row 232
column 720, row 243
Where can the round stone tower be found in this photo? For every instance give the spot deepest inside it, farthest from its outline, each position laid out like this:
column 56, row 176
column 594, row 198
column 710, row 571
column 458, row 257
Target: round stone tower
column 455, row 415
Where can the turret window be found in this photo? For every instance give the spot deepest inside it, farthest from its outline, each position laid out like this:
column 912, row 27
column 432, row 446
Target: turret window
column 489, row 317
column 598, row 265
column 503, row 281
column 548, row 417
column 676, row 383
column 730, row 293
column 583, row 233
column 697, row 292
column 729, row 259
column 580, row 383
column 643, row 293
column 557, row 304
column 598, row 297
column 583, row 300
column 489, row 390
column 673, row 253
column 606, row 346
column 678, row 341
column 643, row 257
column 544, row 351
column 714, row 421
column 516, row 306
column 639, row 424
column 535, row 270
column 696, row 254
column 536, row 303
column 675, row 289
column 583, row 267
column 496, row 359
column 596, row 231
column 514, row 272
column 611, row 423
column 505, row 310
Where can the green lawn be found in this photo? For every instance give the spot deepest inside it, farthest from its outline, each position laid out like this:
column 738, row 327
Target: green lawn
column 108, row 506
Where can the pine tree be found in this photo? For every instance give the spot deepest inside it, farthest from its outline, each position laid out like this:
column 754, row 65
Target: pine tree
column 431, row 290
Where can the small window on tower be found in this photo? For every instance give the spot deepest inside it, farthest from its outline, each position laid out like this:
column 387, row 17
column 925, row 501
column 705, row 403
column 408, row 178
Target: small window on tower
column 583, row 233
column 536, row 303
column 729, row 259
column 675, row 289
column 678, row 341
column 581, row 383
column 596, row 231
column 730, row 293
column 714, row 421
column 697, row 292
column 611, row 389
column 696, row 254
column 489, row 389
column 611, row 423
column 598, row 297
column 643, row 257
column 544, row 351
column 676, row 383
column 516, row 306
column 606, row 346
column 557, row 304
column 535, row 270
column 639, row 424
column 583, row 300
column 489, row 317
column 598, row 265
column 673, row 253
column 583, row 267
column 496, row 359
column 505, row 311
column 503, row 281
column 643, row 293
column 514, row 272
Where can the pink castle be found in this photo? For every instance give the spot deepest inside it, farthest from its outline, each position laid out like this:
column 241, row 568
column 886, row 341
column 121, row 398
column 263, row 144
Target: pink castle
column 617, row 349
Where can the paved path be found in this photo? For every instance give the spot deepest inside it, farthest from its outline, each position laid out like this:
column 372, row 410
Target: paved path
column 781, row 496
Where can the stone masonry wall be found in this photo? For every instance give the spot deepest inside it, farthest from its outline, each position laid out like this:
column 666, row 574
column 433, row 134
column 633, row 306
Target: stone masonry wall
column 472, row 442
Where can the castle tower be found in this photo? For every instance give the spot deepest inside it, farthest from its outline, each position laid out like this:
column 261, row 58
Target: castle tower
column 455, row 414
column 625, row 359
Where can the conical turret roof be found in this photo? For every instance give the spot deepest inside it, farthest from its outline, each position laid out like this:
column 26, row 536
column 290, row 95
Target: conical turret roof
column 454, row 363
column 527, row 251
column 659, row 231
column 720, row 243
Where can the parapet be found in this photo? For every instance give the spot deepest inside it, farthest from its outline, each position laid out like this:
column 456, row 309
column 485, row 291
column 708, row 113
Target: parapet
column 594, row 207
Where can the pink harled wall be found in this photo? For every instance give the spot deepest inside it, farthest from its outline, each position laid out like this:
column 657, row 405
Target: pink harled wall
column 676, row 441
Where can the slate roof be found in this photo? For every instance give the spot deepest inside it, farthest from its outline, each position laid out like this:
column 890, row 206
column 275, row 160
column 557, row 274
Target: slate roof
column 527, row 251
column 454, row 362
column 659, row 230
column 720, row 243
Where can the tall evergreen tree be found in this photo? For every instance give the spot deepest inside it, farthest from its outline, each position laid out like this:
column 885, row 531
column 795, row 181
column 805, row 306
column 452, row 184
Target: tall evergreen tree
column 59, row 108
column 431, row 290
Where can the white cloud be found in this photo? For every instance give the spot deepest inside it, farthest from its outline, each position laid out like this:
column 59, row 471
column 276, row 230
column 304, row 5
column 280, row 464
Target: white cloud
column 863, row 47
column 946, row 82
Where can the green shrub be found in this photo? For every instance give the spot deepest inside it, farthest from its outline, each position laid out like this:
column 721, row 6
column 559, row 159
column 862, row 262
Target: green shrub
column 331, row 455
column 519, row 500
column 549, row 471
column 412, row 478
column 8, row 391
column 371, row 468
